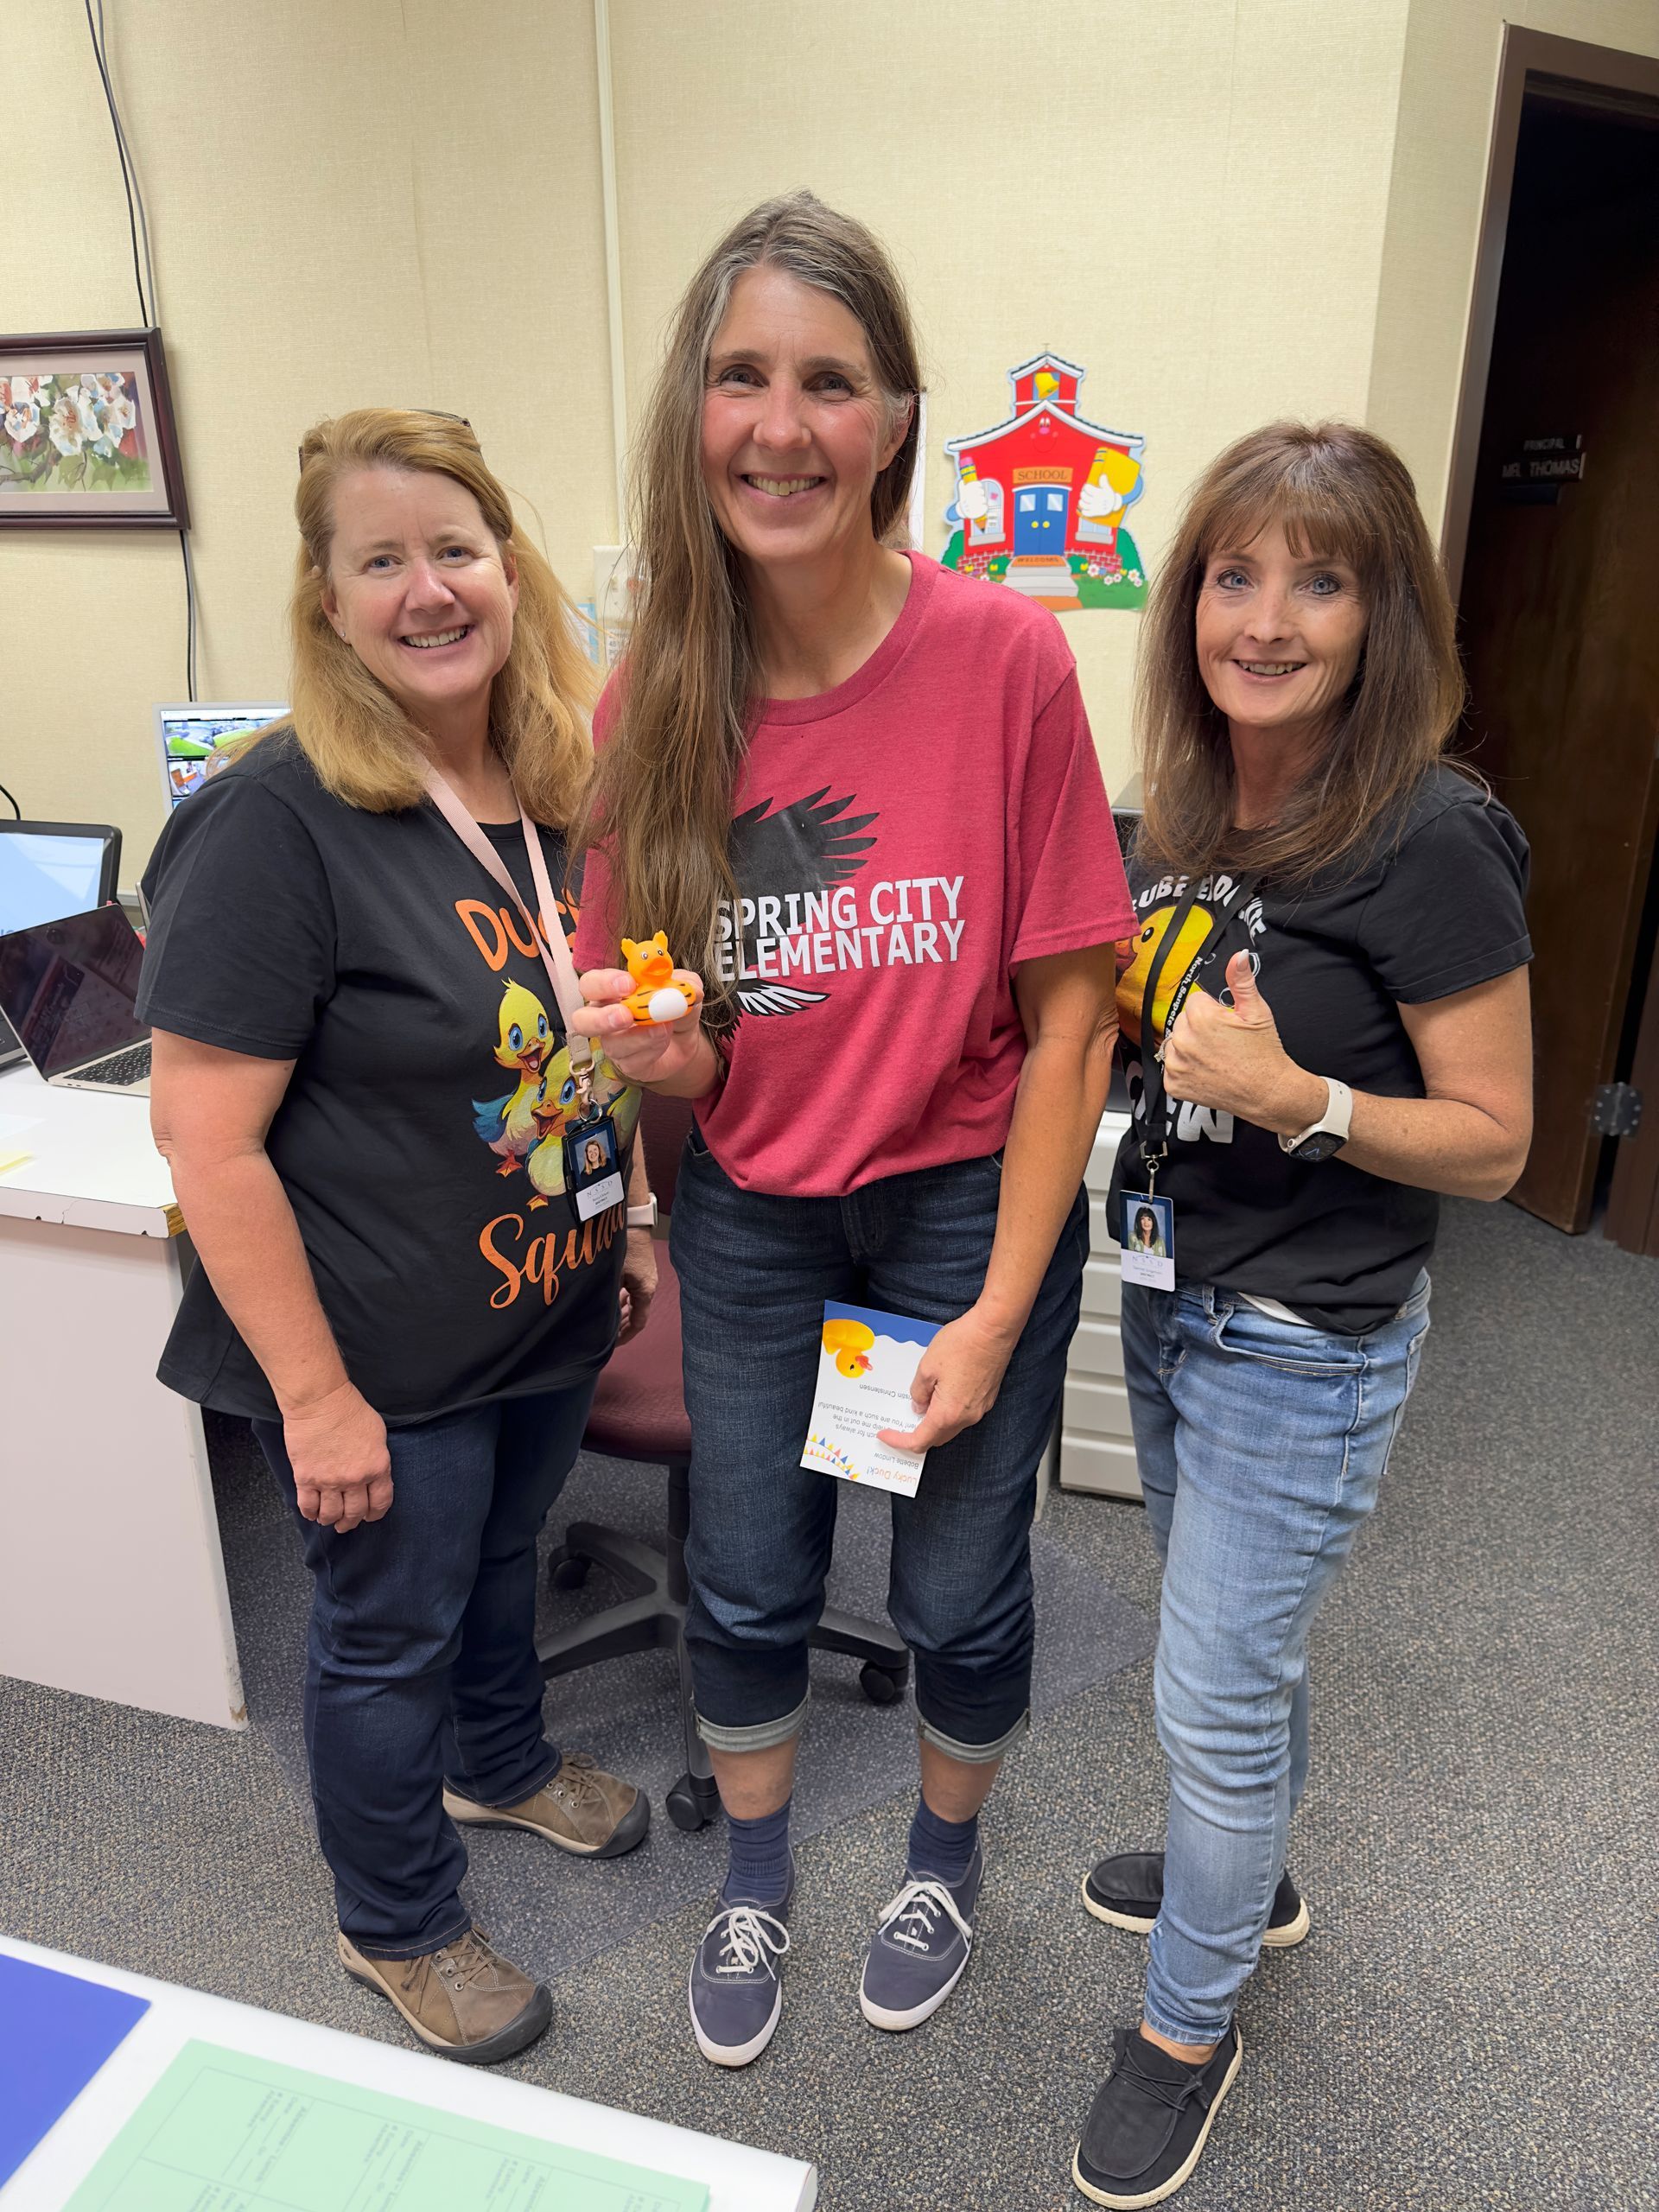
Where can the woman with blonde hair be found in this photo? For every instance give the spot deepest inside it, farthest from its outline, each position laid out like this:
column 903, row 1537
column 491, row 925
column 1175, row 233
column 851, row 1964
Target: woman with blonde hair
column 859, row 793
column 357, row 983
column 1324, row 1025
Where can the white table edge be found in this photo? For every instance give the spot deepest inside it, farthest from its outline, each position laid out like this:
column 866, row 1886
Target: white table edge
column 739, row 2179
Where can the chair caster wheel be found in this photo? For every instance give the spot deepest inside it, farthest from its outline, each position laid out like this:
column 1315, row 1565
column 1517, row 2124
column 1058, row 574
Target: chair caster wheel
column 693, row 1803
column 882, row 1685
column 566, row 1572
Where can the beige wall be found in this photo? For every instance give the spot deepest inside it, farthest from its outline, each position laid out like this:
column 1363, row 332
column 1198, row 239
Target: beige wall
column 1224, row 209
column 347, row 204
column 1131, row 185
column 1447, row 96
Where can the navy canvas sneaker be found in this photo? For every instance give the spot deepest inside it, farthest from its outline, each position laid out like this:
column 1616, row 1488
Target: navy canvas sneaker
column 1127, row 1889
column 918, row 1953
column 736, row 1987
column 1151, row 2121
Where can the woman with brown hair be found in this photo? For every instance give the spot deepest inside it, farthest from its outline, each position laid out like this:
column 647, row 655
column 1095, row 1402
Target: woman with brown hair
column 859, row 793
column 1324, row 1023
column 355, row 939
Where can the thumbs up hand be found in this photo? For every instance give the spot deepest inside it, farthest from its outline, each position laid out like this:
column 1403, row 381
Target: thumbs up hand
column 1230, row 1059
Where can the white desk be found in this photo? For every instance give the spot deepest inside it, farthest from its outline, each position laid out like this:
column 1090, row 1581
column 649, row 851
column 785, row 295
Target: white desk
column 115, row 1582
column 737, row 2180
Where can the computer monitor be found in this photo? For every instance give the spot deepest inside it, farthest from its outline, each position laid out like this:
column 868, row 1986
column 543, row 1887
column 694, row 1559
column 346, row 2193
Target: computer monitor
column 191, row 735
column 49, row 869
column 68, row 987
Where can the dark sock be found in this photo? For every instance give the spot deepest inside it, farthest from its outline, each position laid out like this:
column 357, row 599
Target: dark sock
column 758, row 1866
column 942, row 1848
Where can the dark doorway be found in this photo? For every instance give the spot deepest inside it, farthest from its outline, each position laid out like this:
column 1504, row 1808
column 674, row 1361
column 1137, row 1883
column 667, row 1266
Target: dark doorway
column 1559, row 615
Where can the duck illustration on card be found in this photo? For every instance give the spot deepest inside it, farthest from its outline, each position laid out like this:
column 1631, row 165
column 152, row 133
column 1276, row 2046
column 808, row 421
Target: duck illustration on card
column 866, row 1362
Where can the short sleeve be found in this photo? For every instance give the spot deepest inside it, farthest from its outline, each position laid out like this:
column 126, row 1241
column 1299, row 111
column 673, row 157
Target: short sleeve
column 1450, row 909
column 240, row 948
column 1068, row 872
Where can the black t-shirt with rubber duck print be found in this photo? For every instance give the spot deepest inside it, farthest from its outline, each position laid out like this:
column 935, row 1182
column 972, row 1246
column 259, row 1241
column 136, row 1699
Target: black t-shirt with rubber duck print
column 1438, row 905
column 420, row 1138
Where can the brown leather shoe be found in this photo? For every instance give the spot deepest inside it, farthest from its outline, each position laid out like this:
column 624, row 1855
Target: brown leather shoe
column 464, row 2000
column 597, row 1815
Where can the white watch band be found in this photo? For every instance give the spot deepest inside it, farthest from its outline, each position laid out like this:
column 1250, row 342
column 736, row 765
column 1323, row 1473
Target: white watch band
column 643, row 1217
column 1338, row 1115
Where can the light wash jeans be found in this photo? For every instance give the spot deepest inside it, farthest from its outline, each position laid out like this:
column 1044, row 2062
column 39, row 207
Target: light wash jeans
column 1261, row 1447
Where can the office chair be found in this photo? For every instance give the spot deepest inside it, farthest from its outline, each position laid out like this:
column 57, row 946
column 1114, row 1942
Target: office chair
column 639, row 1412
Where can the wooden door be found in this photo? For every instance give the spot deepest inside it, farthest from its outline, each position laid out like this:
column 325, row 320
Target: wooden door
column 1559, row 609
column 1633, row 1202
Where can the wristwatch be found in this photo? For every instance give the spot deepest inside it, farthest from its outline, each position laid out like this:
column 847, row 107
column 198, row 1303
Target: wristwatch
column 643, row 1217
column 1329, row 1132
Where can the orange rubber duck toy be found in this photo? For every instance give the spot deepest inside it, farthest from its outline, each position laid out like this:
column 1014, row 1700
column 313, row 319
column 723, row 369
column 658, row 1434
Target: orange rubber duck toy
column 660, row 997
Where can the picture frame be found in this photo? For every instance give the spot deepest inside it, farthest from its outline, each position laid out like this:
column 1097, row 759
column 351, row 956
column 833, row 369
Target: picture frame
column 87, row 436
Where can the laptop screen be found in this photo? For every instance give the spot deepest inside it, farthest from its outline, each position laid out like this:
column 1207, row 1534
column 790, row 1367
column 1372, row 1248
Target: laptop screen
column 48, row 873
column 69, row 988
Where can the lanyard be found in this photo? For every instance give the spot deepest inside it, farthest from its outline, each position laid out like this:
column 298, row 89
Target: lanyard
column 1153, row 1093
column 556, row 953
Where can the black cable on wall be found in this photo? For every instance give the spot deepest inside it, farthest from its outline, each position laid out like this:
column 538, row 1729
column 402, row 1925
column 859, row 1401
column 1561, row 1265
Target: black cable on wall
column 138, row 221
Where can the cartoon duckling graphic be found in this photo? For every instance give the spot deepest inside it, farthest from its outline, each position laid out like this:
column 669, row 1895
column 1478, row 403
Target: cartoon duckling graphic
column 850, row 1343
column 508, row 1124
column 1132, row 984
column 556, row 1103
column 658, row 998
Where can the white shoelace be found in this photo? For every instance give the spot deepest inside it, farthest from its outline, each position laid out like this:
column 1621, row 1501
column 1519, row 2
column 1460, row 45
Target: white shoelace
column 750, row 1934
column 913, row 1915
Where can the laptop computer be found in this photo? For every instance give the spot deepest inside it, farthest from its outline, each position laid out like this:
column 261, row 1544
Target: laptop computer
column 69, row 988
column 49, row 869
column 192, row 734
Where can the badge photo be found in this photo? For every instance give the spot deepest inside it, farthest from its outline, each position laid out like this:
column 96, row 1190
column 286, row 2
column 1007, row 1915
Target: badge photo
column 591, row 1170
column 1147, row 1240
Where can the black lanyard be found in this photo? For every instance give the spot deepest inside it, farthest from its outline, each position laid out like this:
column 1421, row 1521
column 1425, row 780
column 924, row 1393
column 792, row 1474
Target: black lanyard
column 1153, row 1091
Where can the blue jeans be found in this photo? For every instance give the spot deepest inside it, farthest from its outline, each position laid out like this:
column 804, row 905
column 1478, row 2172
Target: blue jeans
column 1261, row 1447
column 420, row 1666
column 754, row 1271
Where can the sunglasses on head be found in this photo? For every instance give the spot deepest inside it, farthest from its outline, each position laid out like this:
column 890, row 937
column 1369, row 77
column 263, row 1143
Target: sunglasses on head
column 437, row 414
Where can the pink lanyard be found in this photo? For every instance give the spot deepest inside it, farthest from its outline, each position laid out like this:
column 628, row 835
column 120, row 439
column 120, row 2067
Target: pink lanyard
column 556, row 953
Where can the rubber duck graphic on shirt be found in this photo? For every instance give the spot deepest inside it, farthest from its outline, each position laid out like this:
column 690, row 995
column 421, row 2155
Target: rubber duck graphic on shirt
column 1143, row 951
column 508, row 1124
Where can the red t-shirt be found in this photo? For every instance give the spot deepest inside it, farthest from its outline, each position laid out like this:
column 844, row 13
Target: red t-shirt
column 901, row 844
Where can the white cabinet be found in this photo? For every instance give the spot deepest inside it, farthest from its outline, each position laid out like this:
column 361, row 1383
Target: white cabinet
column 1096, row 1443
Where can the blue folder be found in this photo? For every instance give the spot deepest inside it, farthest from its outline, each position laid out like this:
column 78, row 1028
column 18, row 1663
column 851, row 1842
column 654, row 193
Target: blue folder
column 55, row 2032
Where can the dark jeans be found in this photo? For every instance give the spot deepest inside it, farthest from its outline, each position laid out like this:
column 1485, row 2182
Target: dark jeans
column 754, row 1272
column 421, row 1663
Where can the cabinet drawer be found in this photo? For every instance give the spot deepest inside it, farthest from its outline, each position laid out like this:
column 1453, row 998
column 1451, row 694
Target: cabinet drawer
column 1098, row 1463
column 1095, row 1408
column 1102, row 1235
column 1096, row 1349
column 1103, row 1153
column 1103, row 1288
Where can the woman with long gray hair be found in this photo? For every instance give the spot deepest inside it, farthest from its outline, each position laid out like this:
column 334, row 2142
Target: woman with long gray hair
column 859, row 793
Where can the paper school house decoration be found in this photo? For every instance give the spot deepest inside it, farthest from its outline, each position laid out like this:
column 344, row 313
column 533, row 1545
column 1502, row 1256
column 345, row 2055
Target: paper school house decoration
column 1041, row 499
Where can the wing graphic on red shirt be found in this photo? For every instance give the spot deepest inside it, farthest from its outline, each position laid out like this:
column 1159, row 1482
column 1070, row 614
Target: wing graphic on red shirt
column 807, row 847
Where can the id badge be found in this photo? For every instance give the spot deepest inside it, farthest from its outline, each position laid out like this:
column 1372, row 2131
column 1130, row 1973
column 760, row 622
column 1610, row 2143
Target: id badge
column 593, row 1166
column 1146, row 1235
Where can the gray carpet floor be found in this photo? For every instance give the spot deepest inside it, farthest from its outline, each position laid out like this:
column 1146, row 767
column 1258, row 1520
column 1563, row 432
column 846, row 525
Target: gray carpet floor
column 1470, row 2024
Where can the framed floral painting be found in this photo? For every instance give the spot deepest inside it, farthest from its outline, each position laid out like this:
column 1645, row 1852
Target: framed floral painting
column 87, row 433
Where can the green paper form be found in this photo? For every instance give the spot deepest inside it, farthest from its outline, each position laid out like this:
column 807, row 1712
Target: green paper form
column 223, row 2132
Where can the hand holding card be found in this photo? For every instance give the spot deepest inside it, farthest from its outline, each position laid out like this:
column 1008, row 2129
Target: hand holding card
column 868, row 1361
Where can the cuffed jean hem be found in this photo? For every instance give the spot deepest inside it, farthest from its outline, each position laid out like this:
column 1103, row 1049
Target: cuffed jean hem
column 1187, row 2033
column 973, row 1754
column 408, row 1950
column 759, row 1735
column 499, row 1804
